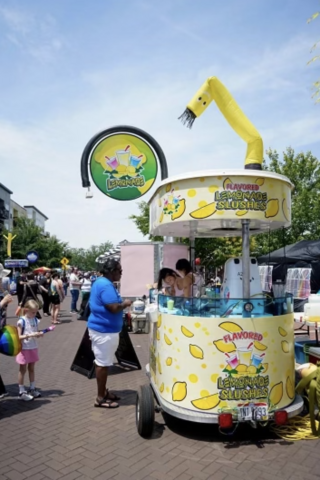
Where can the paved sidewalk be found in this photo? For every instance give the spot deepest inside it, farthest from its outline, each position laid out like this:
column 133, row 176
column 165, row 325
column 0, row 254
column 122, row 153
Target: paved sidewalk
column 61, row 435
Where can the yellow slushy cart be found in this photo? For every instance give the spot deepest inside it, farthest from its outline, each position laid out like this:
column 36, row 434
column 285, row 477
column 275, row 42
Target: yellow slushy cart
column 228, row 359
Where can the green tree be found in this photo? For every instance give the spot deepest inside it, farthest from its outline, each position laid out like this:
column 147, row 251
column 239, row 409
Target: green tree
column 316, row 85
column 303, row 170
column 85, row 259
column 31, row 237
column 142, row 221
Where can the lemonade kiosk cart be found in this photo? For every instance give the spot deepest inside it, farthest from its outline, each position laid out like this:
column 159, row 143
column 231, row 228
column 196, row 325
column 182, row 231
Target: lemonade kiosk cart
column 228, row 360
column 231, row 359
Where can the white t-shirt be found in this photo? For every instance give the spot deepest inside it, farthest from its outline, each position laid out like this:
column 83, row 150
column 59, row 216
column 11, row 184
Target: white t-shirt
column 74, row 278
column 86, row 285
column 30, row 326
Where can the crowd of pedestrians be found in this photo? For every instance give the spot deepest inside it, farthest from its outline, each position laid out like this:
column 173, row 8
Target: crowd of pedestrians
column 36, row 294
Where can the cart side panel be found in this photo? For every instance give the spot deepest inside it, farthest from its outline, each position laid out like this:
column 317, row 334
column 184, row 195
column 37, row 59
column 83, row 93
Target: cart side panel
column 217, row 364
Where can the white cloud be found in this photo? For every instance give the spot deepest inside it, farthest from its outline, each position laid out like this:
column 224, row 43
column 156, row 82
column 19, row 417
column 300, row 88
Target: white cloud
column 36, row 36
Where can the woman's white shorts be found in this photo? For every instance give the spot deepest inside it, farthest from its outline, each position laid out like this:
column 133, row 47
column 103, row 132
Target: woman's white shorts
column 104, row 346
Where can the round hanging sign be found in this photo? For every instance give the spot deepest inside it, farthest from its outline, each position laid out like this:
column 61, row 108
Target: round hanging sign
column 123, row 162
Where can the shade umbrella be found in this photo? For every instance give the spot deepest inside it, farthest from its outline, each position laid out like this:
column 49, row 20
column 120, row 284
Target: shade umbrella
column 42, row 270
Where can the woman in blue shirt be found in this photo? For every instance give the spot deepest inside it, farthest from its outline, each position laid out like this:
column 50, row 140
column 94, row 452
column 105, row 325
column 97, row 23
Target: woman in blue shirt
column 104, row 325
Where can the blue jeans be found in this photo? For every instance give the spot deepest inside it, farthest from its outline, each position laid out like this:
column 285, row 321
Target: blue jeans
column 74, row 299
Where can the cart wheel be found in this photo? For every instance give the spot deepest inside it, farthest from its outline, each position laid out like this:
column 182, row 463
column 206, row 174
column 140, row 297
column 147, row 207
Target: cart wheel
column 145, row 411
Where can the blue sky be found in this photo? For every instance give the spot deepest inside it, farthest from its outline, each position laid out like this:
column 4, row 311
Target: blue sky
column 72, row 68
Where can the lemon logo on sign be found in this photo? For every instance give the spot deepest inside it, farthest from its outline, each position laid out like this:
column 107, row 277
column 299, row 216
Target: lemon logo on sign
column 123, row 166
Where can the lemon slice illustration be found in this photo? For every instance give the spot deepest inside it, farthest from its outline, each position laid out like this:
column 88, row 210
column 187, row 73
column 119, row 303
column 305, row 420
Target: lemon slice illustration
column 282, row 332
column 285, row 210
column 272, row 208
column 180, row 210
column 167, row 340
column 146, row 186
column 225, row 347
column 161, row 217
column 159, row 321
column 260, row 346
column 159, row 365
column 259, row 181
column 226, row 182
column 196, row 351
column 289, row 388
column 158, row 335
column 204, row 212
column 168, row 187
column 169, row 361
column 285, row 346
column 161, row 387
column 276, row 393
column 179, row 391
column 240, row 213
column 206, row 403
column 186, row 332
column 230, row 327
column 265, row 367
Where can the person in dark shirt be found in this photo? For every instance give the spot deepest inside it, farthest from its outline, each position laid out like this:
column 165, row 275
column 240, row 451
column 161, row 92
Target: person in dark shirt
column 31, row 289
column 45, row 283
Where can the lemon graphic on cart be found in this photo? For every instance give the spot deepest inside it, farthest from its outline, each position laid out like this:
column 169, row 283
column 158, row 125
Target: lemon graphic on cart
column 230, row 327
column 186, row 332
column 276, row 394
column 206, row 403
column 224, row 347
column 179, row 391
column 196, row 352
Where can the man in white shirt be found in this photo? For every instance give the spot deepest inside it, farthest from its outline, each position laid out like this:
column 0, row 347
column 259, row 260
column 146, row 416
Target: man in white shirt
column 85, row 294
column 74, row 289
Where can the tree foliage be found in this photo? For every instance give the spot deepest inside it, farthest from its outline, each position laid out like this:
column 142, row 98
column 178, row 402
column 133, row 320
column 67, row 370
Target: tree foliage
column 85, row 259
column 50, row 250
column 142, row 221
column 303, row 170
column 316, row 85
column 31, row 237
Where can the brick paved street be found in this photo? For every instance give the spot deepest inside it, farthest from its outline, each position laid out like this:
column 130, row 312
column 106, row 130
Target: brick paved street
column 61, row 435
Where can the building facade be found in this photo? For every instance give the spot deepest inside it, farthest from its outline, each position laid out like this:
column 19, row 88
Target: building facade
column 5, row 199
column 38, row 217
column 16, row 211
column 11, row 210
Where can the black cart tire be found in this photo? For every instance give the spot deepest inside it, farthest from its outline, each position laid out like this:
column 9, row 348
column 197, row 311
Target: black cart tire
column 145, row 411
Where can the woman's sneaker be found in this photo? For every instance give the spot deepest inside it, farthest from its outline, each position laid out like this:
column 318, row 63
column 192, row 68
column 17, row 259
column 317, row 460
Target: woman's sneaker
column 35, row 393
column 25, row 396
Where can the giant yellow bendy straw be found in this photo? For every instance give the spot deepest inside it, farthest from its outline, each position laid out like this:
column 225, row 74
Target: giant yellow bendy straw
column 213, row 89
